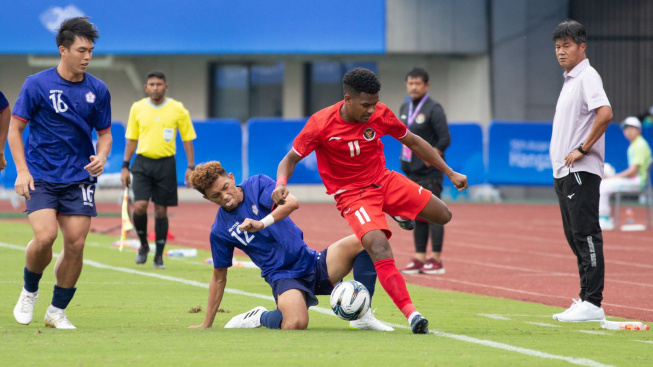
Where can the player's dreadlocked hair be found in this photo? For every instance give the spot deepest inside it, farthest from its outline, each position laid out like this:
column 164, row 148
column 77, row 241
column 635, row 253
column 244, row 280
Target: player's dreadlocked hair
column 76, row 27
column 360, row 80
column 205, row 175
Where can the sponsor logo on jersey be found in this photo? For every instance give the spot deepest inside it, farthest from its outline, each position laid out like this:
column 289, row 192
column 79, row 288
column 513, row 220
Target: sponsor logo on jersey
column 90, row 97
column 369, row 133
column 334, row 138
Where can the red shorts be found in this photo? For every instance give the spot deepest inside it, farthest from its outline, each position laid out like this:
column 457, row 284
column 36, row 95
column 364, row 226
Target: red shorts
column 394, row 194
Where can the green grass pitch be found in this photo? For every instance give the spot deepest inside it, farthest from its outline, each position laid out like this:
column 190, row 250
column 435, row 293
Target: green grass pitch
column 133, row 315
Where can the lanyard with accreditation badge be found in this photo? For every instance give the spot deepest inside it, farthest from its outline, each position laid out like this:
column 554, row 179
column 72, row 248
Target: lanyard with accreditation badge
column 406, row 153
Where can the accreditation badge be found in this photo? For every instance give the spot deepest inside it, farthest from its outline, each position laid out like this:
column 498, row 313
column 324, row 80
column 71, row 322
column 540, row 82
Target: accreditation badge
column 168, row 134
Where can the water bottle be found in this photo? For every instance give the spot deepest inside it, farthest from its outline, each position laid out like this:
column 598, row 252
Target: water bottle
column 185, row 252
column 623, row 325
column 630, row 216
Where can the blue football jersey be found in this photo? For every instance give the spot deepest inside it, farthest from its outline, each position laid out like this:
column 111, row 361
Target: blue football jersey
column 279, row 250
column 3, row 101
column 62, row 116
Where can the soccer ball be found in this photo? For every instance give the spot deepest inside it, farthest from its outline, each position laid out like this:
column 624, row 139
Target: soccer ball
column 350, row 300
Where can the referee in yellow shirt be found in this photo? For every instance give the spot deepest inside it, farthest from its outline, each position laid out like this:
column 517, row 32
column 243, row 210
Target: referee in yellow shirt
column 153, row 124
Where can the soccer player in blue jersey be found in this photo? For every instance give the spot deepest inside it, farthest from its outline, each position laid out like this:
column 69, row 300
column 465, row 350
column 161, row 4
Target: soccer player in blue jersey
column 58, row 166
column 5, row 114
column 249, row 220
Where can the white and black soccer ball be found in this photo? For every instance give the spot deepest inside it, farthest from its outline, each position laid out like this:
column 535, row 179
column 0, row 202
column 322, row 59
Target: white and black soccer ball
column 350, row 300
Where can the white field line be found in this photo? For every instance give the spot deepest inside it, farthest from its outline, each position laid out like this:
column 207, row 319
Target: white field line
column 593, row 332
column 644, row 341
column 494, row 316
column 464, row 338
column 541, row 324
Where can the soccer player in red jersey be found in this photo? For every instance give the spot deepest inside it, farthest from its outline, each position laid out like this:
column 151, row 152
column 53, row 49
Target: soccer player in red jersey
column 346, row 140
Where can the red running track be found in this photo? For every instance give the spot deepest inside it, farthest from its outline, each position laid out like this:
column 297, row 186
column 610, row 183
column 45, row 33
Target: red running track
column 515, row 251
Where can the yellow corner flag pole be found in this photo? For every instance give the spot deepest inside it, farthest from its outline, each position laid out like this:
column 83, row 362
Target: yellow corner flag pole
column 126, row 222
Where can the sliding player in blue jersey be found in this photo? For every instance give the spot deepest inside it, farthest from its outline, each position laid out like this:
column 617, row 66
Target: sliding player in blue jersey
column 249, row 220
column 58, row 166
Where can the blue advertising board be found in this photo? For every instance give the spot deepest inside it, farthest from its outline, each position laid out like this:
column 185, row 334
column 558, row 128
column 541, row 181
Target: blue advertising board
column 269, row 141
column 519, row 153
column 217, row 140
column 202, row 27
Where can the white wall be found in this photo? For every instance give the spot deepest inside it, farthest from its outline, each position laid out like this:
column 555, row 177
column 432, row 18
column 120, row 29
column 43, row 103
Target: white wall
column 460, row 84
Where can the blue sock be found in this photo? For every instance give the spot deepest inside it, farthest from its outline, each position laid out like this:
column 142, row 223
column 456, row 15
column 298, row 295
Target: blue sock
column 272, row 319
column 61, row 297
column 31, row 280
column 364, row 271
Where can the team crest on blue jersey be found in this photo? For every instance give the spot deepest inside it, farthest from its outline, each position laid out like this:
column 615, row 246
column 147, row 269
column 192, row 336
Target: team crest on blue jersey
column 254, row 209
column 90, row 97
column 369, row 133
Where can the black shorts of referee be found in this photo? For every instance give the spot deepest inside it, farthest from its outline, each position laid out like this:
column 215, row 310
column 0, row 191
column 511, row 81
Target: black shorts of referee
column 155, row 179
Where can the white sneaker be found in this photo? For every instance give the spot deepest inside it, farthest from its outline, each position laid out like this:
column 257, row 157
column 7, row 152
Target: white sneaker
column 369, row 322
column 585, row 311
column 573, row 305
column 606, row 223
column 24, row 310
column 56, row 319
column 248, row 320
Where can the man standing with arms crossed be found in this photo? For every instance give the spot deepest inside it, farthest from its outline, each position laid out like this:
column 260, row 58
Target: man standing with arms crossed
column 153, row 124
column 57, row 172
column 577, row 150
column 425, row 118
column 346, row 140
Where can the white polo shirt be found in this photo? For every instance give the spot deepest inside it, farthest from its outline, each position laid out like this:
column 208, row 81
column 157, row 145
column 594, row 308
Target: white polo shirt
column 582, row 93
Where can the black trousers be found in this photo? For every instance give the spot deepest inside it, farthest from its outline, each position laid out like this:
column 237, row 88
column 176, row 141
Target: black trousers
column 578, row 195
column 422, row 229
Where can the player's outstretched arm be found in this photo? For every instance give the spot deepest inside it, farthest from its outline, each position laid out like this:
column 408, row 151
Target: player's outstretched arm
column 428, row 154
column 24, row 180
column 284, row 171
column 280, row 212
column 216, row 291
column 104, row 140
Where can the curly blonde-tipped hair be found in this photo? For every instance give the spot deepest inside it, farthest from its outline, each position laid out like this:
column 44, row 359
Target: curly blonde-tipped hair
column 205, row 175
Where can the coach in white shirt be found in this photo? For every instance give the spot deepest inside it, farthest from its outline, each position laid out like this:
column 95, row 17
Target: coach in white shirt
column 577, row 151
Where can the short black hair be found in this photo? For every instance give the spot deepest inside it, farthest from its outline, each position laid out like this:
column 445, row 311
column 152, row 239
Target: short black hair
column 155, row 74
column 418, row 73
column 570, row 29
column 360, row 80
column 76, row 27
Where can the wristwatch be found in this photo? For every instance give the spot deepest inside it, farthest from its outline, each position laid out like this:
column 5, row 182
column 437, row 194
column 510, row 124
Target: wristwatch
column 583, row 152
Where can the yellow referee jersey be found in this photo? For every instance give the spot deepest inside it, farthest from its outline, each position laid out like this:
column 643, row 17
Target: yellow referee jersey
column 155, row 127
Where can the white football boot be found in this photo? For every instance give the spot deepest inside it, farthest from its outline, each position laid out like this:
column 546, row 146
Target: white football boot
column 56, row 319
column 248, row 320
column 24, row 310
column 369, row 322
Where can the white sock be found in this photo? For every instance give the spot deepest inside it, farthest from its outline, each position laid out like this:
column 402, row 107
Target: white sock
column 412, row 316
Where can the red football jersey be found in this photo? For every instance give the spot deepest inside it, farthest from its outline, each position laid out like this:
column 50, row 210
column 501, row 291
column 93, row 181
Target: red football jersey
column 349, row 154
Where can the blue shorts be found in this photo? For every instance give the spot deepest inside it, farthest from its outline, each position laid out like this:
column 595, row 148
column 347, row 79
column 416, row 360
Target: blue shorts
column 315, row 283
column 66, row 198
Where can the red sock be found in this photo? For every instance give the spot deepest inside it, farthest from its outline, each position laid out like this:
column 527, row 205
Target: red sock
column 395, row 285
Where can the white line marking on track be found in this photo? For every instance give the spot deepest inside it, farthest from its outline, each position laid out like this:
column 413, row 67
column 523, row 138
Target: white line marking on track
column 464, row 338
column 541, row 324
column 594, row 332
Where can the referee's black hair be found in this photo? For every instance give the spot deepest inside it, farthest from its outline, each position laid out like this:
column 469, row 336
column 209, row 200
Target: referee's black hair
column 360, row 80
column 570, row 29
column 76, row 27
column 155, row 74
column 418, row 73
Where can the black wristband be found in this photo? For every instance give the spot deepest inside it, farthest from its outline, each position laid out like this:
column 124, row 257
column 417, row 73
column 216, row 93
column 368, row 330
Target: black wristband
column 125, row 164
column 191, row 167
column 583, row 152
